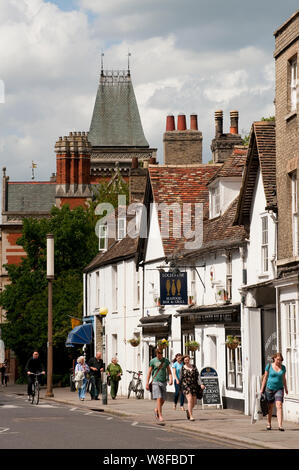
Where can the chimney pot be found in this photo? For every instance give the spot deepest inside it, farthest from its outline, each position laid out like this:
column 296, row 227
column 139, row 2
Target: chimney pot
column 181, row 122
column 170, row 124
column 193, row 122
column 218, row 122
column 234, row 122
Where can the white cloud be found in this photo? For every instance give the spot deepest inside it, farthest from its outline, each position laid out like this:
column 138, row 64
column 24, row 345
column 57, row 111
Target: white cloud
column 183, row 60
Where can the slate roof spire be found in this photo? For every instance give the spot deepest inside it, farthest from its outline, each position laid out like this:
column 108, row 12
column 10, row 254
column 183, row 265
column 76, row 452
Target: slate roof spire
column 116, row 121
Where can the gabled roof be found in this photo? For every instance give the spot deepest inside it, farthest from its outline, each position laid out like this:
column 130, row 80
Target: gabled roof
column 233, row 165
column 261, row 154
column 116, row 120
column 180, row 184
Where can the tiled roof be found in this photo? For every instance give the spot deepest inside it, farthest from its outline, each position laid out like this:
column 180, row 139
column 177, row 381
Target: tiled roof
column 220, row 232
column 180, row 184
column 261, row 153
column 119, row 250
column 233, row 165
column 116, row 121
column 30, row 196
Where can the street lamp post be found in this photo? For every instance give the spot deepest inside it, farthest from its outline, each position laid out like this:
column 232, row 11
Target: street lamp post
column 50, row 277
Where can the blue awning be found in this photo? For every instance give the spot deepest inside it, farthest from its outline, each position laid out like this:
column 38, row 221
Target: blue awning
column 81, row 334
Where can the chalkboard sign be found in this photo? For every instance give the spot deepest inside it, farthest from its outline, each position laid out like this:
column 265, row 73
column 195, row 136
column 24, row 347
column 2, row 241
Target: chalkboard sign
column 211, row 394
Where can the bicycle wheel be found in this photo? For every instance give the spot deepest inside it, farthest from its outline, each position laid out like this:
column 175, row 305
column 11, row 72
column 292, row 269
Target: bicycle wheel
column 36, row 394
column 139, row 391
column 130, row 388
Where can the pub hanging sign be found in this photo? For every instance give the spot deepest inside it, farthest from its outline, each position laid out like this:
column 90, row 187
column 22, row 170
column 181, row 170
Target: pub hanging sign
column 173, row 288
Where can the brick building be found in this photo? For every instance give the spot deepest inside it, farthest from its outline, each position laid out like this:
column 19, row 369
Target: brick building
column 287, row 168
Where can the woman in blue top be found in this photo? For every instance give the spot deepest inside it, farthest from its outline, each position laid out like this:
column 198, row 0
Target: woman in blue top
column 176, row 369
column 275, row 378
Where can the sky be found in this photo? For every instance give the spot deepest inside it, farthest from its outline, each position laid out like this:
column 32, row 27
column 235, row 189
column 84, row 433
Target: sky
column 186, row 56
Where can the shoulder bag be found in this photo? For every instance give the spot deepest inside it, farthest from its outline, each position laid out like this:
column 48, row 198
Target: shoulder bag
column 150, row 385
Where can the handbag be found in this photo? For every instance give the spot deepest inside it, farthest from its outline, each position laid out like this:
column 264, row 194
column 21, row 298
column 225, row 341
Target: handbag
column 108, row 380
column 264, row 404
column 150, row 385
column 199, row 392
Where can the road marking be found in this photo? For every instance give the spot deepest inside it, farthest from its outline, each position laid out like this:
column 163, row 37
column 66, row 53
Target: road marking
column 135, row 423
column 73, row 409
column 90, row 413
column 10, row 406
column 108, row 419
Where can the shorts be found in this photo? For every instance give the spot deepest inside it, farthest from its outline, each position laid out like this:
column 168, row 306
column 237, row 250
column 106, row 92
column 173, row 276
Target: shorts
column 159, row 390
column 274, row 395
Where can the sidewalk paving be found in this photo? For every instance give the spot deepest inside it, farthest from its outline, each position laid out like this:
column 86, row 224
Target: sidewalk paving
column 222, row 425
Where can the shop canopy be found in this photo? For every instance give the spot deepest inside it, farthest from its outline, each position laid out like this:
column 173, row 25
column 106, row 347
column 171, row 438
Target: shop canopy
column 81, row 334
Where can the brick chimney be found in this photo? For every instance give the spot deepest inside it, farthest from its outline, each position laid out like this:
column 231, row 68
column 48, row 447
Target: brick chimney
column 182, row 146
column 73, row 169
column 234, row 122
column 137, row 182
column 223, row 144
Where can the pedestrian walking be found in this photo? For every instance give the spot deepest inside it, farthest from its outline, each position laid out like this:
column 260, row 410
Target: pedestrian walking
column 81, row 377
column 114, row 372
column 159, row 369
column 189, row 383
column 4, row 372
column 177, row 365
column 275, row 383
column 96, row 367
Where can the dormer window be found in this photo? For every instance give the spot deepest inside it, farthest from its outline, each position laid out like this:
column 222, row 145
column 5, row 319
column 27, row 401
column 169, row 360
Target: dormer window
column 214, row 201
column 103, row 237
column 121, row 228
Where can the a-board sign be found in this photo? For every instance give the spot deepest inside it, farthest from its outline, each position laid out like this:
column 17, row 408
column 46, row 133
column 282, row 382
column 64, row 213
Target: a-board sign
column 211, row 394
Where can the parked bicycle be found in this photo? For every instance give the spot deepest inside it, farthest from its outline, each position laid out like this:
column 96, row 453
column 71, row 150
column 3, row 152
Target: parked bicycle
column 136, row 384
column 35, row 389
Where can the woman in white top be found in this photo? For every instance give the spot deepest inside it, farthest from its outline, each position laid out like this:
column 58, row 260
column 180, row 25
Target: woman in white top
column 81, row 371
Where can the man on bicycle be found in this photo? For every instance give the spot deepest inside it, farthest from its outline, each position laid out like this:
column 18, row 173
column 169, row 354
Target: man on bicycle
column 33, row 366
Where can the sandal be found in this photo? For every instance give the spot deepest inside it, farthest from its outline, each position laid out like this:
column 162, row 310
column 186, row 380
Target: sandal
column 268, row 427
column 281, row 429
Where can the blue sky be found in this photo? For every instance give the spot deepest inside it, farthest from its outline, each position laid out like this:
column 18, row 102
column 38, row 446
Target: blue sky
column 191, row 56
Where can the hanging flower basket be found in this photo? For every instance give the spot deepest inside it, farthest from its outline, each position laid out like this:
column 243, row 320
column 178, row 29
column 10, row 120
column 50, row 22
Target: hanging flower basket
column 162, row 343
column 134, row 342
column 192, row 345
column 232, row 342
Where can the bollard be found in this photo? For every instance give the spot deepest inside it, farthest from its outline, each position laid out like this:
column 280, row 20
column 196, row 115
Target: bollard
column 104, row 388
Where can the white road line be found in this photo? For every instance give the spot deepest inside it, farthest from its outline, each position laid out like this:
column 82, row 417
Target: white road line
column 108, row 419
column 10, row 406
column 135, row 423
column 73, row 409
column 90, row 413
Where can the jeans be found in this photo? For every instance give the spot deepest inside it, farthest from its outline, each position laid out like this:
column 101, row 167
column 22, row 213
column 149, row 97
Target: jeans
column 177, row 392
column 96, row 386
column 82, row 390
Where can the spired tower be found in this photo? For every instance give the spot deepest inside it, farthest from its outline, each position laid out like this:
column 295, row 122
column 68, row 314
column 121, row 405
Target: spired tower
column 116, row 135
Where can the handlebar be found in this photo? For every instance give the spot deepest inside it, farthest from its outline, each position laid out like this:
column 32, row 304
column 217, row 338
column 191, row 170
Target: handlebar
column 134, row 372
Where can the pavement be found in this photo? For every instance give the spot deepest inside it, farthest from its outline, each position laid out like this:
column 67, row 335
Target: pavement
column 222, row 425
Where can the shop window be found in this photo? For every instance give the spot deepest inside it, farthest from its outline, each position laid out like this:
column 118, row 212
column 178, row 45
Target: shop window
column 229, row 276
column 294, row 212
column 292, row 353
column 234, row 374
column 186, row 337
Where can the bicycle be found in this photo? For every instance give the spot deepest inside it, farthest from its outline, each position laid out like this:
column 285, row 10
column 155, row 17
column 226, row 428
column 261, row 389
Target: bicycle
column 35, row 388
column 136, row 384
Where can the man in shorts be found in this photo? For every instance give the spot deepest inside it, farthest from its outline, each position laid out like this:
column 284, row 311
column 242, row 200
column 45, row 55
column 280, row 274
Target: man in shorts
column 159, row 368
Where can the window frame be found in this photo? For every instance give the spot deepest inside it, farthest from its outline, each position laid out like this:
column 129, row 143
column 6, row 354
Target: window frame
column 264, row 244
column 291, row 340
column 103, row 237
column 294, row 208
column 293, row 83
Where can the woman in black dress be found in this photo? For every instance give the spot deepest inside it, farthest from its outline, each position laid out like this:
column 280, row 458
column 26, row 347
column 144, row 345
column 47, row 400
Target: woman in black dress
column 189, row 384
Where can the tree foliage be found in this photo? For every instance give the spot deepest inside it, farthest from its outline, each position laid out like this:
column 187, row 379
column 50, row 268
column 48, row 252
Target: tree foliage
column 25, row 299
